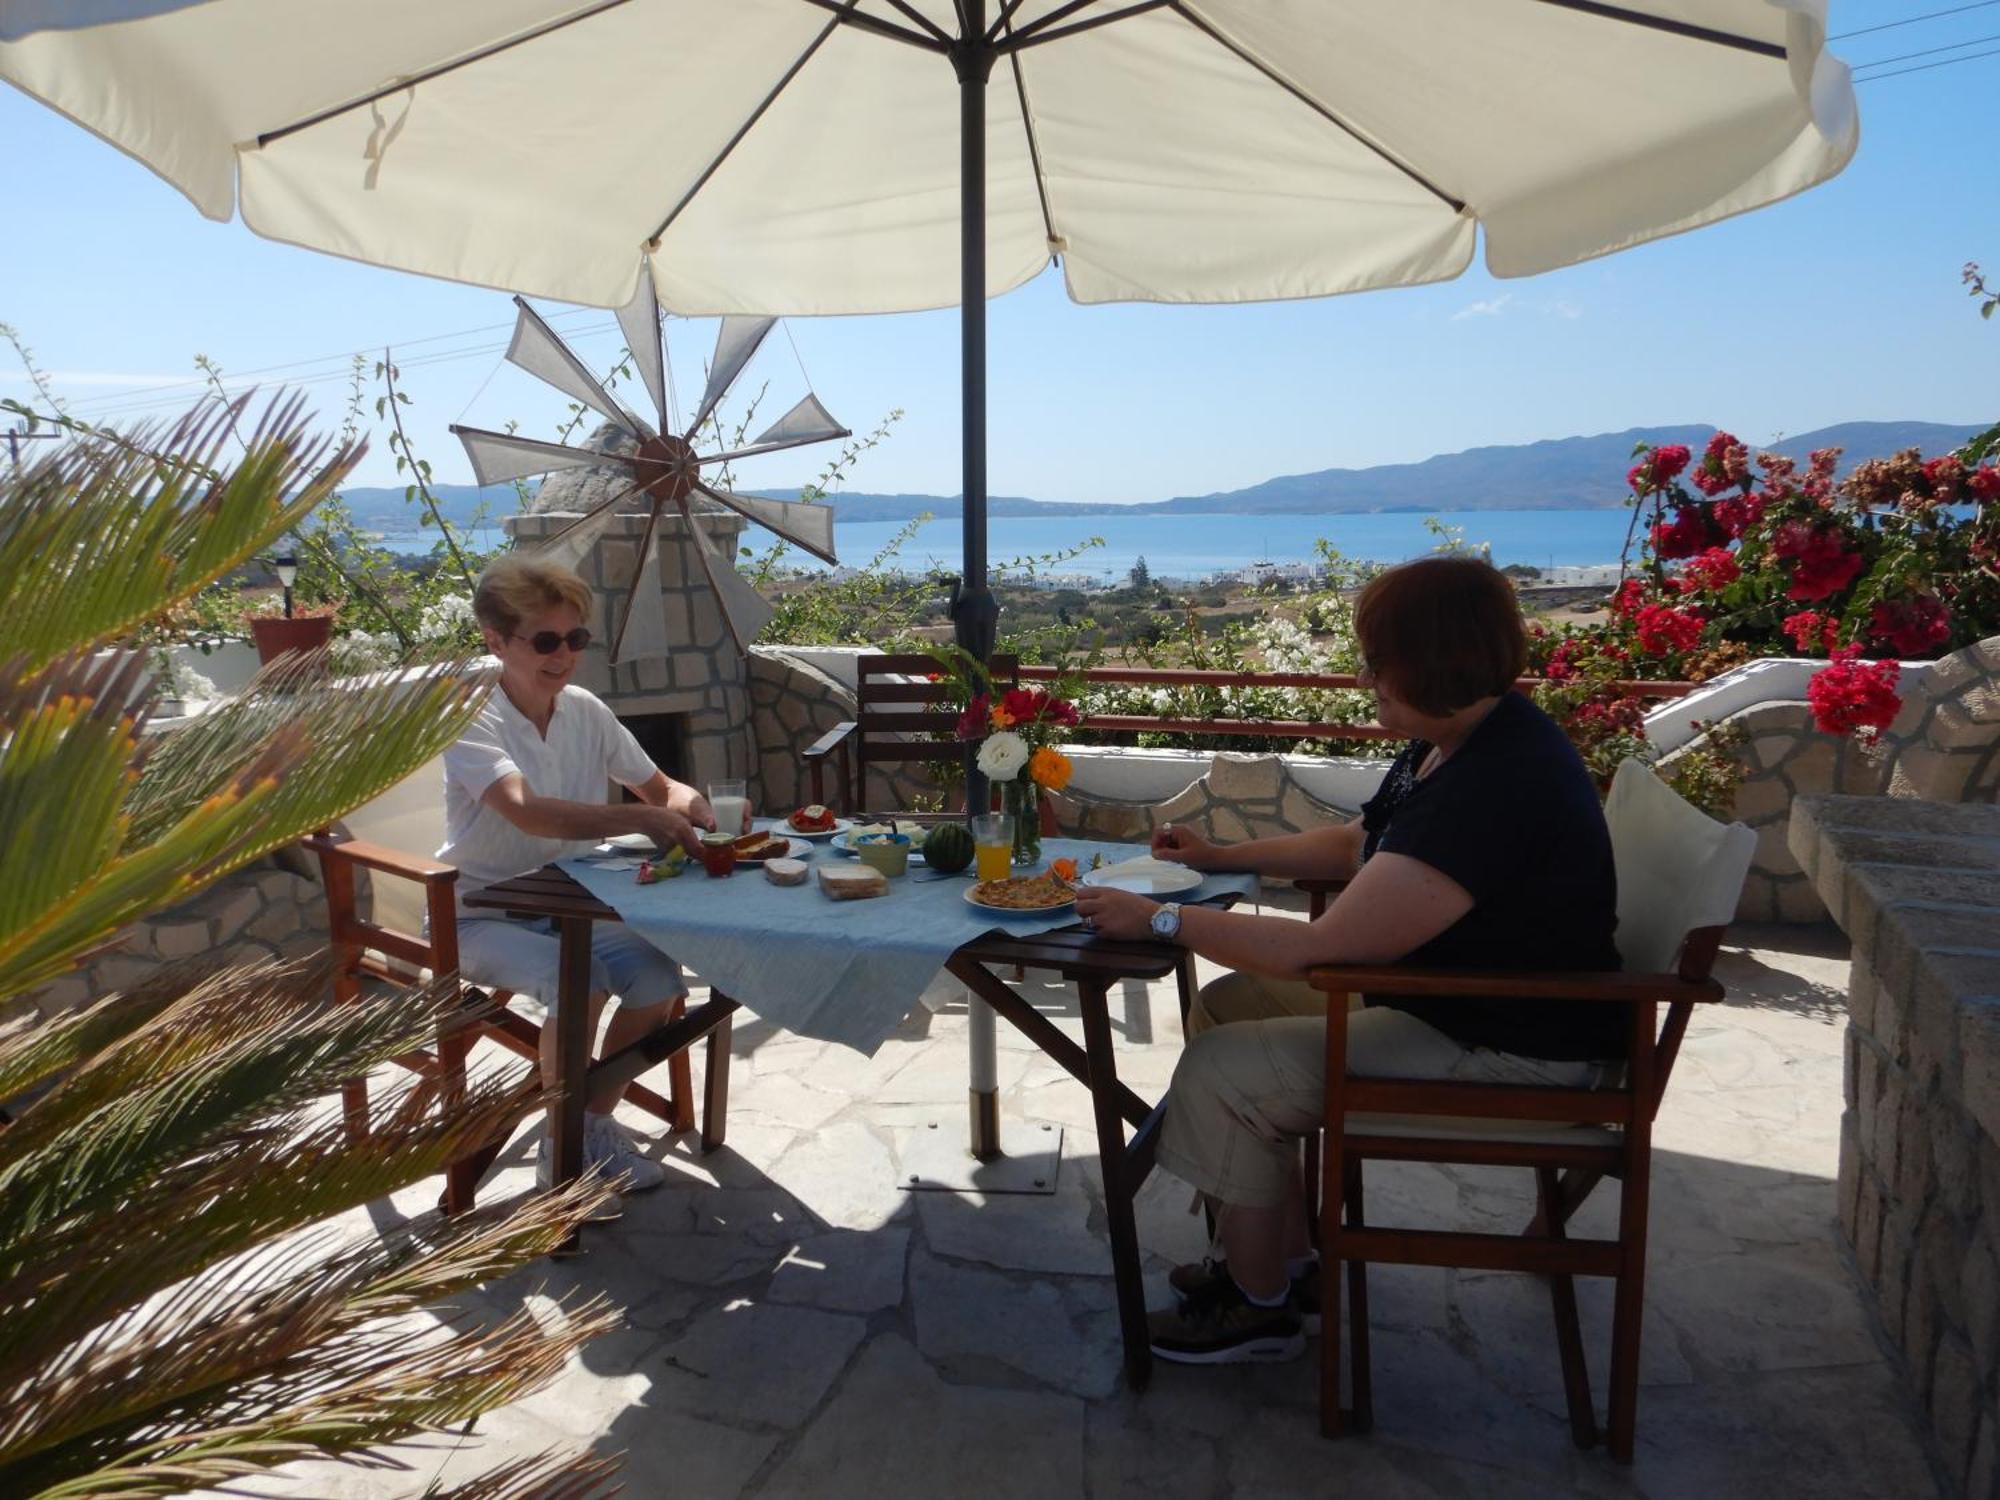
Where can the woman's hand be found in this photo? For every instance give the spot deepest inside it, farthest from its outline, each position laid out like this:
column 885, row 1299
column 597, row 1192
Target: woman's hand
column 1117, row 914
column 1184, row 847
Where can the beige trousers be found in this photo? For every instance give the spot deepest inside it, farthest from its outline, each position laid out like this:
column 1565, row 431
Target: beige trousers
column 1253, row 1079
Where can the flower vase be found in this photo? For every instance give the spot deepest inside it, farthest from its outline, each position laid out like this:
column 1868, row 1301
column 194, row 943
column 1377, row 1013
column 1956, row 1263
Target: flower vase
column 1021, row 799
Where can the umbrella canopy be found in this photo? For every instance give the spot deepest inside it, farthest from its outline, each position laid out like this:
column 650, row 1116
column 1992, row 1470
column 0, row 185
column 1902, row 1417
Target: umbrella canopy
column 846, row 156
column 803, row 156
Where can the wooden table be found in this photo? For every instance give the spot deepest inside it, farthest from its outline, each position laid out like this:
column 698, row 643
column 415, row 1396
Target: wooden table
column 1095, row 963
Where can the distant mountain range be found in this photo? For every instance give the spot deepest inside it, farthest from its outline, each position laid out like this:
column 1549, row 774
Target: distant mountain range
column 1574, row 473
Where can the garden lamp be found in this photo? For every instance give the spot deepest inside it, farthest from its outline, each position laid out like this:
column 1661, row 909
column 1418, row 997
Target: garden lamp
column 287, row 567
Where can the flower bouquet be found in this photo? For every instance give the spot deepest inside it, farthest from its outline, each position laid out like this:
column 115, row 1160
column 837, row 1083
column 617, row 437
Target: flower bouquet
column 1016, row 730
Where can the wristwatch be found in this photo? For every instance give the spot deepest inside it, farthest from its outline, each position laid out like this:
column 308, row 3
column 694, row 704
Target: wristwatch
column 1167, row 921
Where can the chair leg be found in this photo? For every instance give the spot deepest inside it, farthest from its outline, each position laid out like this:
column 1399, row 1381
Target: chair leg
column 1310, row 1182
column 680, row 1080
column 1562, row 1298
column 454, row 1045
column 1184, row 982
column 1361, row 1381
column 715, row 1080
column 1628, row 1312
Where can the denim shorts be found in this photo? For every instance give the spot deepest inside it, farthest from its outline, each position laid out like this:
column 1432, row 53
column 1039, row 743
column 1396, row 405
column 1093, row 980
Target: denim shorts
column 525, row 956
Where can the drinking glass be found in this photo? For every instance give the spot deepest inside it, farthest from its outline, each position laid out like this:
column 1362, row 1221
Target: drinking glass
column 726, row 799
column 993, row 845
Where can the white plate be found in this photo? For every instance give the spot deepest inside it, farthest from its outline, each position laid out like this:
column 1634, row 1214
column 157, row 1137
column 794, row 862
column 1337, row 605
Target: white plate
column 843, row 844
column 637, row 843
column 784, row 825
column 1149, row 877
column 972, row 899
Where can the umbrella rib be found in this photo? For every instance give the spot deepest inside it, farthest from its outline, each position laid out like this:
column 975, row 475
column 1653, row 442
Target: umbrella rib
column 1003, row 23
column 848, row 13
column 653, row 243
column 1676, row 28
column 1038, row 30
column 923, row 20
column 1034, row 145
column 1201, row 24
column 410, row 81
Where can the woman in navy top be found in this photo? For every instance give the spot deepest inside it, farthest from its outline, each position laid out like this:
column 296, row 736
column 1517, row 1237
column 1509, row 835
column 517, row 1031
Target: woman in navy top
column 1485, row 847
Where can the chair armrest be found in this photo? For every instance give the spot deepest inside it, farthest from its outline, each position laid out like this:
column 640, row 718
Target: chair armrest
column 827, row 743
column 380, row 857
column 1481, row 983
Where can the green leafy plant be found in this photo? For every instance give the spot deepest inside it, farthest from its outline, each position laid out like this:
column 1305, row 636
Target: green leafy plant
column 177, row 1307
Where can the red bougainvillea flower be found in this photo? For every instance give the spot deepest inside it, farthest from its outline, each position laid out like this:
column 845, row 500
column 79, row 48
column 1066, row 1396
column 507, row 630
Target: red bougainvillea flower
column 1851, row 696
column 1690, row 532
column 1725, row 464
column 1629, row 596
column 1668, row 462
column 1912, row 627
column 1709, row 571
column 1662, row 629
column 1822, row 565
column 1812, row 631
column 1736, row 514
column 1946, row 476
column 1984, row 482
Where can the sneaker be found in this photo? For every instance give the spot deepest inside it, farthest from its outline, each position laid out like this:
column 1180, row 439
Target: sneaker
column 609, row 1208
column 1187, row 1280
column 1218, row 1325
column 607, row 1147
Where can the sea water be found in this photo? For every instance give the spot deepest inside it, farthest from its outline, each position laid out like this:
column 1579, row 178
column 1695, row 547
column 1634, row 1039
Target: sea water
column 1199, row 546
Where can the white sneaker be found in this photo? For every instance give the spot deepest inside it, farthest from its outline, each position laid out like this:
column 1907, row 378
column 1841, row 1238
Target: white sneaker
column 607, row 1147
column 609, row 1208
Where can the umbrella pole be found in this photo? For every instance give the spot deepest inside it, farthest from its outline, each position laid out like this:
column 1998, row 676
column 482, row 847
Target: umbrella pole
column 975, row 612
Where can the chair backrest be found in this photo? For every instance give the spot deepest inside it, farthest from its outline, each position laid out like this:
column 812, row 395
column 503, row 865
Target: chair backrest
column 901, row 716
column 408, row 818
column 1679, row 870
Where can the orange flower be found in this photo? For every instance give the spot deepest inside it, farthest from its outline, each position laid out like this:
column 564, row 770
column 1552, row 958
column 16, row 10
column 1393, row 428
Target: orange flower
column 1050, row 768
column 1001, row 718
column 1064, row 870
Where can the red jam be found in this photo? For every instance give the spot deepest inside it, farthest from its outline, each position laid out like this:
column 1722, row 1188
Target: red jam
column 719, row 859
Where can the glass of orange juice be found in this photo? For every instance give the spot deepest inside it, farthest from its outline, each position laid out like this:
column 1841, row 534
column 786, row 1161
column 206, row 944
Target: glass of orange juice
column 993, row 846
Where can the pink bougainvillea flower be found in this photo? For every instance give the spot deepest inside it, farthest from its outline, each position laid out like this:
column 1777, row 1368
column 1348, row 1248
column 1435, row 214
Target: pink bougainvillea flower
column 1851, row 696
column 1911, row 627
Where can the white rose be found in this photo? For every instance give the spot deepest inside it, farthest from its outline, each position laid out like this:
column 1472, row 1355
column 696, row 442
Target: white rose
column 1002, row 756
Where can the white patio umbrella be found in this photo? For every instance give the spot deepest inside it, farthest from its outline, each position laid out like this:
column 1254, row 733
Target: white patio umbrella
column 846, row 156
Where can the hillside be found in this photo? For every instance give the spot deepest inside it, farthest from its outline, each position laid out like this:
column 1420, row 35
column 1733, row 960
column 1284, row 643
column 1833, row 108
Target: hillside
column 1573, row 473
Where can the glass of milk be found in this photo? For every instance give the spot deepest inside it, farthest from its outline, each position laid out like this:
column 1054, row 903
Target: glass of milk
column 730, row 805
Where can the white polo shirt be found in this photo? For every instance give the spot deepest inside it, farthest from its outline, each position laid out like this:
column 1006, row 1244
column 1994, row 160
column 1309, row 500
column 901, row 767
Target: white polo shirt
column 586, row 748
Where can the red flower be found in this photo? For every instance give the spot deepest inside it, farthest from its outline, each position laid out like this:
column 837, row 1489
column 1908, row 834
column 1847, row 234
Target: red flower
column 1809, row 629
column 972, row 723
column 1945, row 474
column 1668, row 462
column 1821, row 564
column 1911, row 627
column 1709, row 571
column 1626, row 601
column 1662, row 629
column 1725, row 464
column 1736, row 514
column 1853, row 696
column 1984, row 482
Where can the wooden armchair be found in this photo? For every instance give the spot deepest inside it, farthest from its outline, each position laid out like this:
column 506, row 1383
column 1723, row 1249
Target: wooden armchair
column 413, row 933
column 899, row 717
column 1679, row 877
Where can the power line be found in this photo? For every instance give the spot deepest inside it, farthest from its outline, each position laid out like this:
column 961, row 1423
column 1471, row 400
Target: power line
column 1926, row 67
column 1971, row 41
column 1912, row 20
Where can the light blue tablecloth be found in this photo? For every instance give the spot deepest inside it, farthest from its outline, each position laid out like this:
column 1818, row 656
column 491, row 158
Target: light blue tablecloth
column 837, row 971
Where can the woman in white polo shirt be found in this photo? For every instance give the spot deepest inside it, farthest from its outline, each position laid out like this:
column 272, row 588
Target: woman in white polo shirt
column 526, row 785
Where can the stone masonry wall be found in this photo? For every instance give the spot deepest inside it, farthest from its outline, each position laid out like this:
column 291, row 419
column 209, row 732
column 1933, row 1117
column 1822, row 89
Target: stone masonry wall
column 271, row 908
column 1943, row 747
column 1916, row 885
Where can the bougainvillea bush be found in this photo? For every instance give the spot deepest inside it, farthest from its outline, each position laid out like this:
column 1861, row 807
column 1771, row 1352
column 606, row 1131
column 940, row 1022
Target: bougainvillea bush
column 1740, row 557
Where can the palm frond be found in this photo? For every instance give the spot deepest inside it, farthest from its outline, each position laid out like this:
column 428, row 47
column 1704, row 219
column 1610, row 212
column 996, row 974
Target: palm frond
column 550, row 1475
column 39, row 1052
column 304, row 1348
column 290, row 758
column 110, row 531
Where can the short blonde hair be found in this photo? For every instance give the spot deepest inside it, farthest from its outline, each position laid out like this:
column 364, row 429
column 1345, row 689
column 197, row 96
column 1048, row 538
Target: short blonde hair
column 514, row 587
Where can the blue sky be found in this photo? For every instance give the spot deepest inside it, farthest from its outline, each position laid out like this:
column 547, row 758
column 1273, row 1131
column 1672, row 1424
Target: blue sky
column 1844, row 304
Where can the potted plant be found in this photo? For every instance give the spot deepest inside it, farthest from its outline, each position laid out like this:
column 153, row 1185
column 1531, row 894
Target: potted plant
column 308, row 627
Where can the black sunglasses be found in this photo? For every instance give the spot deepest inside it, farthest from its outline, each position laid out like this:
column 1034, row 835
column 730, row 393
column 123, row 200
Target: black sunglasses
column 544, row 642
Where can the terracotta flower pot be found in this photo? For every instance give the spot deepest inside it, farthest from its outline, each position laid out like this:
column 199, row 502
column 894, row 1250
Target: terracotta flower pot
column 276, row 635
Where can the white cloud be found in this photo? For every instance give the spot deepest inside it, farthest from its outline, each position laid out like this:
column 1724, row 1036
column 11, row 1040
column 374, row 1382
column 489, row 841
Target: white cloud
column 1490, row 308
column 100, row 377
column 1564, row 310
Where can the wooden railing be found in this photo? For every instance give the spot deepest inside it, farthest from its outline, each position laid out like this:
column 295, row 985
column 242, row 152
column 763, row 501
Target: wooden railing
column 1269, row 728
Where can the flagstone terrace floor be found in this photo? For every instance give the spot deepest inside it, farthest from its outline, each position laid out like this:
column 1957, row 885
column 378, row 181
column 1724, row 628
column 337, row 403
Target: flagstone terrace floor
column 797, row 1325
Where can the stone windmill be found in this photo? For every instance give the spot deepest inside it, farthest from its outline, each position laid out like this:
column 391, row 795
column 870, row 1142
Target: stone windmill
column 662, row 466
